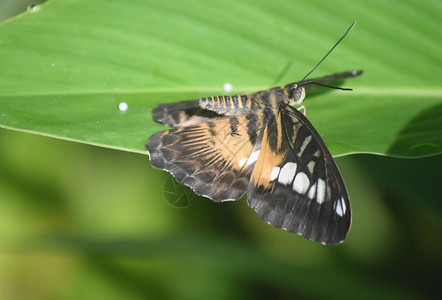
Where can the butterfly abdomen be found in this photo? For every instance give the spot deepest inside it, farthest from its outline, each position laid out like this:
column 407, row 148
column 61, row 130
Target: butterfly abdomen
column 228, row 105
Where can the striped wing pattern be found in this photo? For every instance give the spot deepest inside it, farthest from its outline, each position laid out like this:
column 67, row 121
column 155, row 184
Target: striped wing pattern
column 213, row 158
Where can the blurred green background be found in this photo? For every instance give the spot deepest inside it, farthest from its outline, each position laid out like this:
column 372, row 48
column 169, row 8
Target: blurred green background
column 78, row 221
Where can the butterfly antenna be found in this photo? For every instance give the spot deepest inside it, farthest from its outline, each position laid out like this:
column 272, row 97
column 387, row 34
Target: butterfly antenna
column 325, row 56
column 333, row 87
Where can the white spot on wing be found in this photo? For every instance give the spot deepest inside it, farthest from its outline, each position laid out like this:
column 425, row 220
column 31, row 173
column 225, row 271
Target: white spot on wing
column 317, row 153
column 321, row 191
column 253, row 157
column 311, row 166
column 301, row 183
column 274, row 174
column 340, row 207
column 242, row 161
column 304, row 145
column 312, row 192
column 287, row 173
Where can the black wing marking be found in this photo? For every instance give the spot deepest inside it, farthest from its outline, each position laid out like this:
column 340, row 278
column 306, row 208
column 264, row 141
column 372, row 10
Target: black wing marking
column 298, row 186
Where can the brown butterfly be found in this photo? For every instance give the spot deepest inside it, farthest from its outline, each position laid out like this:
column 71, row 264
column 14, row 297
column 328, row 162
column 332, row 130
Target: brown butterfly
column 225, row 146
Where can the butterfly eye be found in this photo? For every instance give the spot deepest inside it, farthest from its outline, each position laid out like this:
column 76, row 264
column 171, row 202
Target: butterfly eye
column 297, row 94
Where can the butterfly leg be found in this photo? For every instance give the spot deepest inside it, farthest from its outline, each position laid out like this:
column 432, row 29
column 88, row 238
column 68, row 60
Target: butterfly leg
column 304, row 110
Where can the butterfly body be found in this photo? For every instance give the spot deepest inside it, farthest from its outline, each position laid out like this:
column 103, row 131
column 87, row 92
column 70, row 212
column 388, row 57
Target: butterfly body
column 266, row 99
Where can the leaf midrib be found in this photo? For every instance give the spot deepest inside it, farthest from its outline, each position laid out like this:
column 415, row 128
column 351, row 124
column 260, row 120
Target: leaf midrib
column 397, row 91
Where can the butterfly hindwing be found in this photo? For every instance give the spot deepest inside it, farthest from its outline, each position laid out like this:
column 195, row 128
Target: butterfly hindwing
column 296, row 184
column 212, row 158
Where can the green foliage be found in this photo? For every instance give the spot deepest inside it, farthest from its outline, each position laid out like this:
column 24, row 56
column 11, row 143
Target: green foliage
column 68, row 64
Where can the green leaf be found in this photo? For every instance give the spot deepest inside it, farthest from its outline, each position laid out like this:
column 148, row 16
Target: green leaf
column 66, row 66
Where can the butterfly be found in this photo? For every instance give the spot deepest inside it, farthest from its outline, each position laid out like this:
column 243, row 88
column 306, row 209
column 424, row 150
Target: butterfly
column 258, row 143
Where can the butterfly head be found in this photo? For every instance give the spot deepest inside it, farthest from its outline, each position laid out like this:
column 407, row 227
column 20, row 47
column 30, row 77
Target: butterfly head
column 296, row 94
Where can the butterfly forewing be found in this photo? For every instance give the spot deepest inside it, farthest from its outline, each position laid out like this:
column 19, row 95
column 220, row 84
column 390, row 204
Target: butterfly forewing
column 296, row 184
